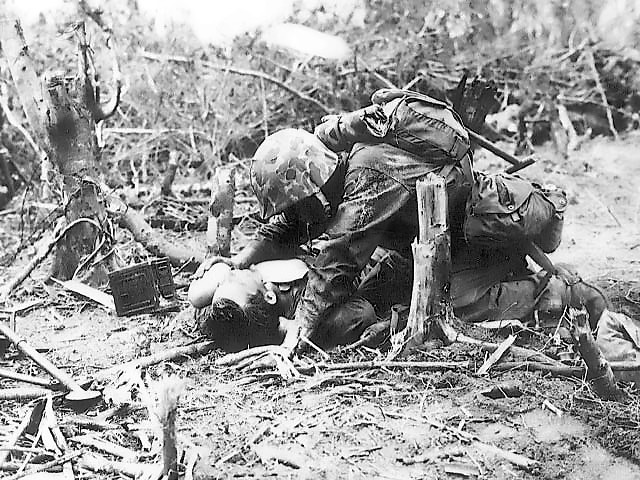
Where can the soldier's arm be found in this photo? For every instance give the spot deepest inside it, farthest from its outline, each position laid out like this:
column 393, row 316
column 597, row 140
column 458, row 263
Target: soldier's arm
column 280, row 238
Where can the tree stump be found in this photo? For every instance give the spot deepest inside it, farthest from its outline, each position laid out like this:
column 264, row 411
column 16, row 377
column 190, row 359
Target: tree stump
column 599, row 371
column 63, row 114
column 220, row 224
column 431, row 312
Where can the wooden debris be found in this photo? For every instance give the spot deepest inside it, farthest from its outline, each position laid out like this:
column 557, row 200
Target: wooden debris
column 547, row 404
column 431, row 313
column 163, row 356
column 514, row 458
column 519, row 352
column 239, row 71
column 154, row 242
column 15, row 436
column 99, row 464
column 503, row 390
column 88, row 291
column 285, row 456
column 21, row 377
column 44, row 249
column 461, row 469
column 220, row 223
column 557, row 370
column 377, row 364
column 169, row 394
column 598, row 369
column 170, row 175
column 23, row 394
column 496, row 355
column 46, row 466
column 105, row 446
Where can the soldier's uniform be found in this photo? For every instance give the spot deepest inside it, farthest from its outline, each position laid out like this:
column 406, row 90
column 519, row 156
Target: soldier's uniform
column 367, row 199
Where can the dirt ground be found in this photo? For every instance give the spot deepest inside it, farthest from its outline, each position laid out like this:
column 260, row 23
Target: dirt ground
column 398, row 424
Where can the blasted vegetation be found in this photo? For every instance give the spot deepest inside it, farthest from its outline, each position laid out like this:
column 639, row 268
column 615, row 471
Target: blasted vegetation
column 319, row 239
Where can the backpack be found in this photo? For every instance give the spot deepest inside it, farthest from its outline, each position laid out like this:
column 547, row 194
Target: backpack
column 422, row 125
column 505, row 209
column 411, row 121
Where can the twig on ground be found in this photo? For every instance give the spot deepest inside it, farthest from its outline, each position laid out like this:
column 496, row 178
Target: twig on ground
column 22, row 394
column 496, row 355
column 46, row 466
column 99, row 464
column 377, row 364
column 15, row 436
column 560, row 370
column 521, row 352
column 164, row 356
column 515, row 458
column 105, row 446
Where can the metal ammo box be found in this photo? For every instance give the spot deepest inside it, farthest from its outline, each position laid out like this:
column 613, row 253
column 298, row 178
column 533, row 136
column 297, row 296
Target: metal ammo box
column 137, row 289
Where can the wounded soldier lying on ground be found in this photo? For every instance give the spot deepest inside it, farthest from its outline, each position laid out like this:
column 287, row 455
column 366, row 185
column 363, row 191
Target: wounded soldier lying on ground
column 240, row 308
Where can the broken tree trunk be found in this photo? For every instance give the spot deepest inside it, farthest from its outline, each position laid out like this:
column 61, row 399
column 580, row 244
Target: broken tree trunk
column 599, row 371
column 63, row 114
column 431, row 313
column 220, row 224
column 155, row 242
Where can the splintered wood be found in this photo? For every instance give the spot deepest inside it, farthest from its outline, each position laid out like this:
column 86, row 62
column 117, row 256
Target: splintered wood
column 220, row 225
column 431, row 313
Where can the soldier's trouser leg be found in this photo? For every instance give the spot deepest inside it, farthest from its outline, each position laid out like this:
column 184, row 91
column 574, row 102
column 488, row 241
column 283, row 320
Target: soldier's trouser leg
column 519, row 298
column 345, row 323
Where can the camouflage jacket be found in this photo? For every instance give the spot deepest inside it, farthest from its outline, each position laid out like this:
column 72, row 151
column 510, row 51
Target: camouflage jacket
column 374, row 205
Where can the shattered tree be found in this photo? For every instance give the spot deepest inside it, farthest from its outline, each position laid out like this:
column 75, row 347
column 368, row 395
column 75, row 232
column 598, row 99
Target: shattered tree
column 431, row 312
column 63, row 112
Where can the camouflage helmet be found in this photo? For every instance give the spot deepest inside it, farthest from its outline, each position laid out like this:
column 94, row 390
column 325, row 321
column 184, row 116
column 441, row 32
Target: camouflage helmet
column 288, row 166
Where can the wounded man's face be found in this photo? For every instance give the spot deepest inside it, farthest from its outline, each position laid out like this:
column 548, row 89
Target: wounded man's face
column 245, row 308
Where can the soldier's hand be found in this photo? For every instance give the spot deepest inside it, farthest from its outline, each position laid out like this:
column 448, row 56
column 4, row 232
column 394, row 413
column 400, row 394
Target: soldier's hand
column 295, row 335
column 210, row 262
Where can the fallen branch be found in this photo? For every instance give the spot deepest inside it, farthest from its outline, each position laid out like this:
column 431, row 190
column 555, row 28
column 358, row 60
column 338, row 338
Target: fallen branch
column 514, row 458
column 521, row 352
column 170, row 175
column 376, row 364
column 105, row 446
column 21, row 377
column 556, row 370
column 496, row 355
column 46, row 466
column 164, row 356
column 153, row 241
column 15, row 436
column 22, row 394
column 100, row 464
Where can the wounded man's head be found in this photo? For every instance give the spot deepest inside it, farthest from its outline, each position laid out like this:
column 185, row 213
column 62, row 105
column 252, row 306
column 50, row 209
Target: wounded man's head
column 246, row 306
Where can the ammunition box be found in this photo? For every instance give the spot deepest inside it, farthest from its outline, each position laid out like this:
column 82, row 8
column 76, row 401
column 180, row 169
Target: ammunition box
column 138, row 289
